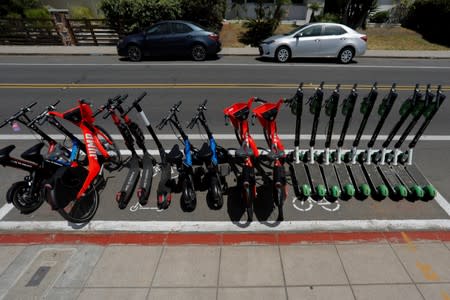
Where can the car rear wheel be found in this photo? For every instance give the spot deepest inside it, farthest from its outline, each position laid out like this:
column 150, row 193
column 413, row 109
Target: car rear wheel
column 346, row 55
column 134, row 53
column 283, row 54
column 198, row 53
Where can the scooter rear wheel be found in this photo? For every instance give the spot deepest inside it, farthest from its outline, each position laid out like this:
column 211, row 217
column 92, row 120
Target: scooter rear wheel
column 214, row 197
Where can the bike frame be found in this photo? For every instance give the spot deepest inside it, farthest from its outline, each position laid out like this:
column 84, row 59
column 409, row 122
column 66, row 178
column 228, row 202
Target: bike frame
column 82, row 117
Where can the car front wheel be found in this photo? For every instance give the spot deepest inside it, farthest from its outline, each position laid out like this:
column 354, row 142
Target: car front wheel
column 198, row 53
column 134, row 53
column 283, row 54
column 346, row 55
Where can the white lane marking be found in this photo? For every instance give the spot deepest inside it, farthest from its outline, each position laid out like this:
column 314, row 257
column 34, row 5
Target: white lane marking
column 443, row 203
column 226, row 136
column 223, row 226
column 271, row 65
column 5, row 210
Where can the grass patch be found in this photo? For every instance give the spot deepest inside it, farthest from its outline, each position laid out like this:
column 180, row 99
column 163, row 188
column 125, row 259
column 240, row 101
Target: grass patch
column 398, row 38
column 395, row 38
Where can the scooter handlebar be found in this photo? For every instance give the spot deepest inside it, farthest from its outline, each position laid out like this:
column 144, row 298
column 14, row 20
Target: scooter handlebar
column 21, row 112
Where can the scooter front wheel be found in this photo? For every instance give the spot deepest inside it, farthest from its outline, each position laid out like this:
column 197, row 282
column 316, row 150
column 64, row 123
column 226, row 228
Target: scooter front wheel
column 188, row 199
column 19, row 195
column 279, row 197
column 214, row 197
column 83, row 209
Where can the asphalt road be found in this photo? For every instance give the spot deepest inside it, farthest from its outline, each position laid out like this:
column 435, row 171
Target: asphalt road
column 225, row 81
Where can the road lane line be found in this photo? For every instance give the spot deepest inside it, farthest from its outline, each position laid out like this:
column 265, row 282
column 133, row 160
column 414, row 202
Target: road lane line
column 200, row 65
column 306, row 86
column 226, row 226
column 226, row 136
column 5, row 210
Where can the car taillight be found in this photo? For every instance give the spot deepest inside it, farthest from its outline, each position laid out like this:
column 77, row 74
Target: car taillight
column 364, row 38
column 214, row 37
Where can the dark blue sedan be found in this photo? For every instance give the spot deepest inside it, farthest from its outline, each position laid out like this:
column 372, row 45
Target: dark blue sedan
column 170, row 38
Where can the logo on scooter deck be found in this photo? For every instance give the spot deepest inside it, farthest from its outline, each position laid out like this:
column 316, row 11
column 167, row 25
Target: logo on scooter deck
column 90, row 145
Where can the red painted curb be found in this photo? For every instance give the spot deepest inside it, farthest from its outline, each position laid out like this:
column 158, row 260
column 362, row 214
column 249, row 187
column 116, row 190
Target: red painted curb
column 173, row 239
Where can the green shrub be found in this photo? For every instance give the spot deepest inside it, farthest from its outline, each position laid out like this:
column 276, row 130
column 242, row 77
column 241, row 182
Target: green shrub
column 329, row 18
column 380, row 17
column 37, row 13
column 268, row 18
column 127, row 16
column 208, row 13
column 431, row 19
column 81, row 12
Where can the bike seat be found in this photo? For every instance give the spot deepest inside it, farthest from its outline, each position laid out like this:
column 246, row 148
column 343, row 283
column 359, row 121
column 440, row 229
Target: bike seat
column 175, row 155
column 270, row 115
column 34, row 153
column 4, row 152
column 244, row 152
column 205, row 152
column 275, row 155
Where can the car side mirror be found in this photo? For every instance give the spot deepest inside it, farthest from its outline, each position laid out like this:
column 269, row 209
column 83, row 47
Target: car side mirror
column 298, row 35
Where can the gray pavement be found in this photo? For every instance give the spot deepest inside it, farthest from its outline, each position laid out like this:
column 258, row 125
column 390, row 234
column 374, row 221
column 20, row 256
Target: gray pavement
column 111, row 50
column 376, row 270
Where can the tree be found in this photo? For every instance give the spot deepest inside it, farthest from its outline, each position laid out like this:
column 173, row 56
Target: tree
column 357, row 11
column 208, row 13
column 315, row 7
column 17, row 7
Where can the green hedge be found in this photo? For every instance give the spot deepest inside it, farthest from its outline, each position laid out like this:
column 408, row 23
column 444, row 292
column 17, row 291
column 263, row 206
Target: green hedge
column 431, row 18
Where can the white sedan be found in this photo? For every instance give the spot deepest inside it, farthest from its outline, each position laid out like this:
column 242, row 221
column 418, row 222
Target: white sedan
column 316, row 40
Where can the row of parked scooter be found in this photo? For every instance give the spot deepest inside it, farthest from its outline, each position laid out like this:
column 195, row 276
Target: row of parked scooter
column 70, row 175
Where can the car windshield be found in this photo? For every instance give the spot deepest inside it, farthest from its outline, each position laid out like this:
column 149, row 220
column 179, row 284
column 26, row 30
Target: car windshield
column 296, row 29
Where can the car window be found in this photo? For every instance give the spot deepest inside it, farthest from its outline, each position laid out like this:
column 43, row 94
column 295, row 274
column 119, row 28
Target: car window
column 311, row 31
column 333, row 30
column 159, row 29
column 180, row 28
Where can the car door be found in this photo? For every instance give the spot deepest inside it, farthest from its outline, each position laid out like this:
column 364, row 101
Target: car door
column 181, row 38
column 332, row 40
column 306, row 41
column 157, row 40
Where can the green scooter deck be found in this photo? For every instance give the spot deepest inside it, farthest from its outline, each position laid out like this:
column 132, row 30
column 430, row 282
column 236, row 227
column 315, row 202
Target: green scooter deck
column 344, row 179
column 394, row 184
column 317, row 182
column 361, row 183
column 300, row 180
column 331, row 181
column 414, row 190
column 422, row 181
column 377, row 184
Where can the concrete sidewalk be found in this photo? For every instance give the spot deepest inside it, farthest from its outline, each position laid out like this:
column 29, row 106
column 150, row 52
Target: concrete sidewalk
column 409, row 268
column 111, row 50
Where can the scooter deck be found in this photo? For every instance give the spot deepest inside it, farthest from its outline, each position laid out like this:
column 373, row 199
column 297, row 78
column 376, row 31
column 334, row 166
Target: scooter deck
column 421, row 180
column 393, row 182
column 317, row 181
column 331, row 181
column 361, row 183
column 376, row 182
column 145, row 185
column 344, row 179
column 124, row 196
column 414, row 190
column 300, row 180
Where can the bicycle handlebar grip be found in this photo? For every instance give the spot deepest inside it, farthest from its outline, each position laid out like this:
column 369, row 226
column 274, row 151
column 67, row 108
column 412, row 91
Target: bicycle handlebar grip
column 260, row 100
column 30, row 106
column 121, row 99
column 138, row 99
column 3, row 124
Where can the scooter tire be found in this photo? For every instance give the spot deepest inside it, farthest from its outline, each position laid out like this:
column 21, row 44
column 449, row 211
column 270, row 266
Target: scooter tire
column 82, row 210
column 15, row 196
column 214, row 197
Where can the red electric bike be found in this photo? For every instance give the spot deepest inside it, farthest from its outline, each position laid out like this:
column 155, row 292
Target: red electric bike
column 266, row 115
column 248, row 152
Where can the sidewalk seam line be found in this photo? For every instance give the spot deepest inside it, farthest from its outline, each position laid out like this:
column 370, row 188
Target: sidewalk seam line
column 93, row 268
column 218, row 273
column 406, row 270
column 345, row 271
column 282, row 268
column 163, row 248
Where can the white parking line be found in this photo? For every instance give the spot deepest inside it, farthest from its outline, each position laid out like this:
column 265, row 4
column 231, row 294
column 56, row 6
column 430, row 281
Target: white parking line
column 226, row 136
column 5, row 210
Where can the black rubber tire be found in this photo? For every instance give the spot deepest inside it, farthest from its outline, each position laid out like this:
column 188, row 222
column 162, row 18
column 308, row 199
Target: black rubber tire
column 134, row 53
column 346, row 55
column 283, row 54
column 83, row 210
column 279, row 201
column 214, row 197
column 116, row 162
column 188, row 199
column 15, row 194
column 198, row 52
column 248, row 199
